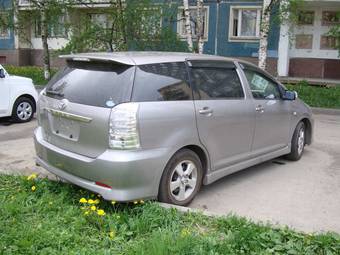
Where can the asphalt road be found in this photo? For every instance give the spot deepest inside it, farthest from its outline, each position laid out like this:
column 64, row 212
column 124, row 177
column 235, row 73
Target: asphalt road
column 304, row 195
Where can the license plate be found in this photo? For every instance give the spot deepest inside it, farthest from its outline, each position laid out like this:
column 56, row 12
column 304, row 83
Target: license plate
column 68, row 129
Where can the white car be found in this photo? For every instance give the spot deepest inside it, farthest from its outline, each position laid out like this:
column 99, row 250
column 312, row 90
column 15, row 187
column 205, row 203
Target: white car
column 18, row 97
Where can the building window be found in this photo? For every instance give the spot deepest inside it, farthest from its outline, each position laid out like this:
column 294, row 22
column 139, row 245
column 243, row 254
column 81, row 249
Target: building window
column 244, row 23
column 55, row 30
column 101, row 20
column 193, row 16
column 330, row 18
column 306, row 18
column 303, row 41
column 329, row 42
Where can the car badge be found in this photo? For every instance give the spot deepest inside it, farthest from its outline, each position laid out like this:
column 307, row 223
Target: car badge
column 62, row 104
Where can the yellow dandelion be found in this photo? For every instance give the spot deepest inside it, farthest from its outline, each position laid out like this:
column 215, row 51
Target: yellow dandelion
column 83, row 200
column 93, row 208
column 101, row 212
column 113, row 202
column 185, row 232
column 86, row 213
column 32, row 177
column 91, row 201
column 135, row 202
column 142, row 201
column 97, row 201
column 33, row 188
column 112, row 234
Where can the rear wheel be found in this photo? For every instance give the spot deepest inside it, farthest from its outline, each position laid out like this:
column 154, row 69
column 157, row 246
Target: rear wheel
column 182, row 178
column 298, row 142
column 23, row 110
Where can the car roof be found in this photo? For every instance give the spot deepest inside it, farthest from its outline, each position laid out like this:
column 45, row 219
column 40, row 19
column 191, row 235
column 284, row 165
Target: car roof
column 143, row 57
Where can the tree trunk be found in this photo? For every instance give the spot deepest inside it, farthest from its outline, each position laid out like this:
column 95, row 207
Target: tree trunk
column 200, row 42
column 44, row 36
column 264, row 31
column 188, row 31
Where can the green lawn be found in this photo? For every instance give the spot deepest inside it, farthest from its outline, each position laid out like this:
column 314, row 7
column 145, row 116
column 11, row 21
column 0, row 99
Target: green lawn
column 51, row 220
column 316, row 96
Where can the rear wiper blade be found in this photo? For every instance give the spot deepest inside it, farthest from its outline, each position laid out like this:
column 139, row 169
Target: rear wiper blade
column 51, row 92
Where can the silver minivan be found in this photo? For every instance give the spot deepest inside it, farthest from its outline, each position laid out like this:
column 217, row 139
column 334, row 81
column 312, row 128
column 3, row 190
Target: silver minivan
column 152, row 125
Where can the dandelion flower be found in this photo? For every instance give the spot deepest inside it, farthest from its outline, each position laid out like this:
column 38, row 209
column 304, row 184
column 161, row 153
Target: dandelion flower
column 86, row 213
column 185, row 232
column 135, row 202
column 142, row 201
column 113, row 202
column 83, row 200
column 93, row 208
column 96, row 201
column 112, row 234
column 33, row 188
column 101, row 212
column 32, row 177
column 91, row 201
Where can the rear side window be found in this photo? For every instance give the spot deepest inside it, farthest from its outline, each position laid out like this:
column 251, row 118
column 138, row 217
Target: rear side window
column 161, row 82
column 217, row 83
column 93, row 83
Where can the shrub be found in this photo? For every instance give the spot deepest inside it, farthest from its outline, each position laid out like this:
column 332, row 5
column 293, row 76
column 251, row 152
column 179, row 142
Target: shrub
column 36, row 73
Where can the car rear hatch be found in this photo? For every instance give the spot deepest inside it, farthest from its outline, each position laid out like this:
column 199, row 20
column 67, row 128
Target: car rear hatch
column 75, row 107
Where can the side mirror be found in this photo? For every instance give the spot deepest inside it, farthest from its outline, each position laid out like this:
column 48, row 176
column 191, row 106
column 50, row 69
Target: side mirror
column 289, row 95
column 2, row 73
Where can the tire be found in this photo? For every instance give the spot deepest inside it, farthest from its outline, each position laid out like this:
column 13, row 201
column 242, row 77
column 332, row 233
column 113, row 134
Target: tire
column 185, row 185
column 298, row 142
column 23, row 110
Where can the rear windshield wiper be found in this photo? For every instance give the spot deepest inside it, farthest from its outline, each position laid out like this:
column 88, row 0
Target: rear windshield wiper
column 51, row 92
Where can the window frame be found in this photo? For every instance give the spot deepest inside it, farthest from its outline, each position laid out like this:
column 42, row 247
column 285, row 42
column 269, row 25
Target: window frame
column 180, row 19
column 51, row 27
column 213, row 64
column 265, row 75
column 240, row 38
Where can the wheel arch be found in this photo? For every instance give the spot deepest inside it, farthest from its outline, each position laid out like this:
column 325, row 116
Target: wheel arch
column 309, row 130
column 26, row 96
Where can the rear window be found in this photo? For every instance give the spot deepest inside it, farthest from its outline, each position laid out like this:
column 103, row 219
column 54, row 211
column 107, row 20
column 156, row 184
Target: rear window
column 92, row 83
column 161, row 82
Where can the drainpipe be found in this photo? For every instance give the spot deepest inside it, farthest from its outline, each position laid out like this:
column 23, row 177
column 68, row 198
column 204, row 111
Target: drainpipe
column 217, row 20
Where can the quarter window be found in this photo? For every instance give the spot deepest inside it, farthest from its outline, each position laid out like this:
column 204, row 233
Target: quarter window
column 244, row 23
column 161, row 82
column 217, row 83
column 262, row 87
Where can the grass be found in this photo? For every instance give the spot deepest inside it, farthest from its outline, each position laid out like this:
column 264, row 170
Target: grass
column 36, row 73
column 50, row 220
column 316, row 96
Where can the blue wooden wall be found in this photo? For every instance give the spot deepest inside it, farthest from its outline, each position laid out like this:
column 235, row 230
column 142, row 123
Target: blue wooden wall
column 6, row 44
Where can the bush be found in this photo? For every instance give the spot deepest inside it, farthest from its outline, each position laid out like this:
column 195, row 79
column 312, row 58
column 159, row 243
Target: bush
column 36, row 73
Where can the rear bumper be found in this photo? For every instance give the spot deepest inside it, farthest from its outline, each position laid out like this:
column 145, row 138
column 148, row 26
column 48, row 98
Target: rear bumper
column 131, row 174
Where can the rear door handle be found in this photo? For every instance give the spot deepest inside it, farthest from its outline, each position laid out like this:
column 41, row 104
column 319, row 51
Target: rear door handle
column 205, row 111
column 259, row 108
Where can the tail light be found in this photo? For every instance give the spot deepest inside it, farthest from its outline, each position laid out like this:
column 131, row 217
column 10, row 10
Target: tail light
column 123, row 131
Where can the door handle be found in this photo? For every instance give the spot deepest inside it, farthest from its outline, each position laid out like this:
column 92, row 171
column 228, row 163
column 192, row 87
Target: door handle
column 206, row 111
column 259, row 108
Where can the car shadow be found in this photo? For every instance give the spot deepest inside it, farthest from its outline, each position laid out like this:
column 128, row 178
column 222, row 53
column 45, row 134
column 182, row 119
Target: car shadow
column 6, row 121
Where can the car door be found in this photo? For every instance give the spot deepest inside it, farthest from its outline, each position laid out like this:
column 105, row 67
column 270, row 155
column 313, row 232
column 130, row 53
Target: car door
column 4, row 94
column 224, row 115
column 272, row 112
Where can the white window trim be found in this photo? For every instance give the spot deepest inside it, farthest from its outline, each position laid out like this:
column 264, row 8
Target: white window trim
column 206, row 26
column 232, row 38
column 6, row 37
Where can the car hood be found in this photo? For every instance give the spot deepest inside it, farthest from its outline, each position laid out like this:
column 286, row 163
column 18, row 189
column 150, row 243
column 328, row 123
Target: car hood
column 20, row 78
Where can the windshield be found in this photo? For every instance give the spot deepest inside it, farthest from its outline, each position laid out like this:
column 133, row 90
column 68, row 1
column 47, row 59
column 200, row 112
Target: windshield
column 92, row 83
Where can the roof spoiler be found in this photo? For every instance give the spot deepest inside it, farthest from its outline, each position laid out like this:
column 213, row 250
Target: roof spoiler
column 89, row 57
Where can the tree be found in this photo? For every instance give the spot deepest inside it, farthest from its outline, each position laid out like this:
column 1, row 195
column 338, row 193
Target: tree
column 334, row 32
column 188, row 28
column 200, row 42
column 126, row 25
column 286, row 11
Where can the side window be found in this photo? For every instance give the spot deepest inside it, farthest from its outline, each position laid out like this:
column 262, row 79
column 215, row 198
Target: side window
column 161, row 82
column 262, row 87
column 217, row 83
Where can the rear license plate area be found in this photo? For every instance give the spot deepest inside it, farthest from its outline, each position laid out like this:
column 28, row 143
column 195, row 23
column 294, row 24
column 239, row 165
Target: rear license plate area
column 68, row 129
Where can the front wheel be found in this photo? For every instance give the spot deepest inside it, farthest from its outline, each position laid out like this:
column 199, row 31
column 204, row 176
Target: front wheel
column 182, row 178
column 23, row 110
column 298, row 142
